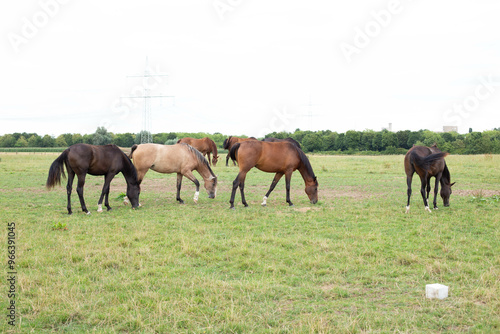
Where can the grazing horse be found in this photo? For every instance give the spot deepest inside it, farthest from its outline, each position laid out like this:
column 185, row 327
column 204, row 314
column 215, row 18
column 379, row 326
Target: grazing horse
column 428, row 162
column 281, row 158
column 229, row 143
column 204, row 145
column 179, row 158
column 83, row 159
column 289, row 139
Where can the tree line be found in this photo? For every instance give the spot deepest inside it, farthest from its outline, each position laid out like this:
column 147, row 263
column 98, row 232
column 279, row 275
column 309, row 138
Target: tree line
column 349, row 142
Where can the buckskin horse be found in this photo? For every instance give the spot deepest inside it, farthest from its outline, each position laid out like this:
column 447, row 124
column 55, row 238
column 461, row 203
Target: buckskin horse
column 229, row 142
column 428, row 162
column 83, row 159
column 179, row 158
column 282, row 158
column 204, row 145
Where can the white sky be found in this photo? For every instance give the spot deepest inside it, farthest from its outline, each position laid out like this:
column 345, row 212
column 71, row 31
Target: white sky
column 249, row 66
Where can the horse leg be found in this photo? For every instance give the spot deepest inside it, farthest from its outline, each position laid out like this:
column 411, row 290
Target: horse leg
column 105, row 192
column 190, row 176
column 276, row 179
column 428, row 188
column 423, row 180
column 238, row 181
column 179, row 183
column 79, row 191
column 227, row 160
column 436, row 186
column 288, row 177
column 69, row 187
column 209, row 160
column 408, row 183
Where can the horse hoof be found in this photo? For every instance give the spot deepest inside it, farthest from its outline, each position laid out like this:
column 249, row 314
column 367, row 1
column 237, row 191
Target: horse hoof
column 87, row 213
column 427, row 209
column 109, row 209
column 232, row 208
column 264, row 204
column 181, row 202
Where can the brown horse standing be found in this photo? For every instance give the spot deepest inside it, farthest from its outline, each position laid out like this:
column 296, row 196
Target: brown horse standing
column 204, row 145
column 428, row 162
column 229, row 143
column 83, row 159
column 179, row 158
column 282, row 158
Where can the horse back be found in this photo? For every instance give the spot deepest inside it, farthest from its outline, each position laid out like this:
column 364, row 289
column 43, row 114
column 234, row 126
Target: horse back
column 424, row 160
column 272, row 157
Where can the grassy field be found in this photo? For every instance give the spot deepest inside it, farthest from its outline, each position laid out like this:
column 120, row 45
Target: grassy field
column 353, row 263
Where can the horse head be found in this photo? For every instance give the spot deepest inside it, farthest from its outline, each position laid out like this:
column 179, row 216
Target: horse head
column 211, row 186
column 215, row 158
column 446, row 192
column 312, row 190
column 133, row 191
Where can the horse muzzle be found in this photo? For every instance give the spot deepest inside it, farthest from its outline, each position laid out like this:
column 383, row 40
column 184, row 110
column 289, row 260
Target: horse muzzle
column 314, row 201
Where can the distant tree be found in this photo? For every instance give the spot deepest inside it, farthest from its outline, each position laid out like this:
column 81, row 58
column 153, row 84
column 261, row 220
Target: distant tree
column 101, row 136
column 48, row 141
column 61, row 141
column 389, row 139
column 21, row 142
column 124, row 139
column 68, row 138
column 35, row 141
column 312, row 142
column 76, row 139
column 352, row 139
column 8, row 140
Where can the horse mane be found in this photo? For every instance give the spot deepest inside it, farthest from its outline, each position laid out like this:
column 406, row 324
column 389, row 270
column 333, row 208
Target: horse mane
column 226, row 142
column 305, row 161
column 446, row 174
column 199, row 156
column 214, row 147
column 128, row 166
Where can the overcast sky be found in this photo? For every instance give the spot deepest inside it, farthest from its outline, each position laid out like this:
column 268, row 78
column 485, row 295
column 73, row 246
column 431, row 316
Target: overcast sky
column 249, row 66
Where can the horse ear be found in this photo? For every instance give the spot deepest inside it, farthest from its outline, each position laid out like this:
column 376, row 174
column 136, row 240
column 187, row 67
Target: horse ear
column 452, row 184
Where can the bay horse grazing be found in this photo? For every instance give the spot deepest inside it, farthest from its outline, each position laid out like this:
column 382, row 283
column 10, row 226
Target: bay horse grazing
column 428, row 162
column 282, row 158
column 229, row 143
column 179, row 158
column 204, row 145
column 83, row 159
column 290, row 139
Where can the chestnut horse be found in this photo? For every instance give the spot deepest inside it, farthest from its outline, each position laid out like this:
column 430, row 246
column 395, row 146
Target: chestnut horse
column 83, row 159
column 428, row 162
column 282, row 158
column 229, row 142
column 204, row 145
column 179, row 158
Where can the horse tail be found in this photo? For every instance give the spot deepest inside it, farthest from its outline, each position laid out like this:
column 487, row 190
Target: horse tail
column 57, row 169
column 234, row 151
column 132, row 149
column 425, row 162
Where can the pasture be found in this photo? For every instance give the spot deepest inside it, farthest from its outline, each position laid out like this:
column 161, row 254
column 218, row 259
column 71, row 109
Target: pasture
column 352, row 263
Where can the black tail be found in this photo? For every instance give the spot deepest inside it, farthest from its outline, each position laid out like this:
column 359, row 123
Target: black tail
column 132, row 149
column 427, row 161
column 57, row 169
column 234, row 151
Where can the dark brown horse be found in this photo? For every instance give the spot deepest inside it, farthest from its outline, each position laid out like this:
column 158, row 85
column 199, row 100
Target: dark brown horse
column 229, row 143
column 282, row 158
column 428, row 162
column 204, row 145
column 289, row 139
column 83, row 159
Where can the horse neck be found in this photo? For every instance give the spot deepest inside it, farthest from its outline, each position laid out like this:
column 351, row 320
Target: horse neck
column 204, row 170
column 306, row 175
column 128, row 171
column 214, row 148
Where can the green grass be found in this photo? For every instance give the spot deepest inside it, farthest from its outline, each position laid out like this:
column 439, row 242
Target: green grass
column 353, row 263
